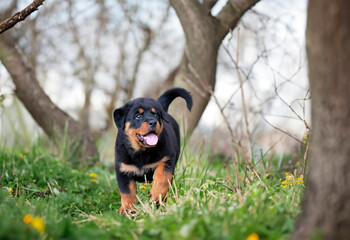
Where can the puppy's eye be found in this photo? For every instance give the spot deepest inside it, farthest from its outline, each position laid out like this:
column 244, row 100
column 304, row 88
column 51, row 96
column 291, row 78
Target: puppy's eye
column 138, row 116
column 155, row 115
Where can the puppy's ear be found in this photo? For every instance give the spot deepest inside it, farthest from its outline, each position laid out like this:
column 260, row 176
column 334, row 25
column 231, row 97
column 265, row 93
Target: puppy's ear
column 163, row 114
column 119, row 116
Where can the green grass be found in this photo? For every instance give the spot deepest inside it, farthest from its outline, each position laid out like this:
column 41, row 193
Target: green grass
column 202, row 203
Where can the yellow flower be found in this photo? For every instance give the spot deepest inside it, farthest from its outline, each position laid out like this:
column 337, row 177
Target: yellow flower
column 51, row 238
column 38, row 224
column 27, row 218
column 93, row 175
column 21, row 155
column 289, row 177
column 95, row 181
column 143, row 187
column 10, row 190
column 253, row 236
column 291, row 180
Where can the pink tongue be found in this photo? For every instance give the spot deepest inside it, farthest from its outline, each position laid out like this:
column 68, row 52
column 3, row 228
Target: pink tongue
column 151, row 139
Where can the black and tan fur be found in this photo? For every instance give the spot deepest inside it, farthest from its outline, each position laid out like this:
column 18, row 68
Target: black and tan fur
column 141, row 122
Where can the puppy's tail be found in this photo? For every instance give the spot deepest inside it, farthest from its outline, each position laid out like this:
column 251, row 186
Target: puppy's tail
column 166, row 98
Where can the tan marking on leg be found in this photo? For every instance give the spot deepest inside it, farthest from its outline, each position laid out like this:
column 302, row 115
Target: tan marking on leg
column 160, row 185
column 128, row 200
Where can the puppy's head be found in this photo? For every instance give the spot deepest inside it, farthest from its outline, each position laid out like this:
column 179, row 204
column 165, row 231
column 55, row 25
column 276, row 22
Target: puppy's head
column 142, row 121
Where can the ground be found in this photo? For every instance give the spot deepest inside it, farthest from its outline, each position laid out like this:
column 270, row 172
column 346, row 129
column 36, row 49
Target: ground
column 43, row 197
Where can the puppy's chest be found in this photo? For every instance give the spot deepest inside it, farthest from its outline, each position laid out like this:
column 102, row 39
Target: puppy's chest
column 139, row 166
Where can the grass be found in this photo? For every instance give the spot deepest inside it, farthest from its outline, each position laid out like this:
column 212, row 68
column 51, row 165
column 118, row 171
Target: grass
column 202, row 203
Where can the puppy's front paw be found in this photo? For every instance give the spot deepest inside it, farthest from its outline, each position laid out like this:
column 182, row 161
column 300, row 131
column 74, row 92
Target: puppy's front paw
column 127, row 211
column 160, row 184
column 159, row 190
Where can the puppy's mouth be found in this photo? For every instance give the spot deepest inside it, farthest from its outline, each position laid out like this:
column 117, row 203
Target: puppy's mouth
column 150, row 139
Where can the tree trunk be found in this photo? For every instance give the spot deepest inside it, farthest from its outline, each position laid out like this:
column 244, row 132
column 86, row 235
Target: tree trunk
column 326, row 206
column 204, row 34
column 48, row 116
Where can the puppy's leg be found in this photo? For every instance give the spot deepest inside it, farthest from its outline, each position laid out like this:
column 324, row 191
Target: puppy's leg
column 127, row 189
column 161, row 179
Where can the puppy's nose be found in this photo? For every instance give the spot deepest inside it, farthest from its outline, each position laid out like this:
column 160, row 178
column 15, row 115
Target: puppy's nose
column 152, row 123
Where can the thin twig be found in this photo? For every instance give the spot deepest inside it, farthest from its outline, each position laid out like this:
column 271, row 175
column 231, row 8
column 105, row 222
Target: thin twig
column 288, row 134
column 292, row 109
column 243, row 100
column 20, row 16
column 245, row 114
column 244, row 106
column 209, row 90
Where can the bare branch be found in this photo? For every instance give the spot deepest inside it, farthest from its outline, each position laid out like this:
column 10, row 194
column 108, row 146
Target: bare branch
column 54, row 121
column 20, row 16
column 280, row 129
column 292, row 109
column 150, row 34
column 231, row 13
column 242, row 96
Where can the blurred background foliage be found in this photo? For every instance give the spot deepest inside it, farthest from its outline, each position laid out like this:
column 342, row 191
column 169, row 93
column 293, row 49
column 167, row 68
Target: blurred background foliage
column 92, row 56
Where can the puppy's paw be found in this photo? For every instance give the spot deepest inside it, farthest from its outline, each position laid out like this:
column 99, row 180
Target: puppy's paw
column 128, row 211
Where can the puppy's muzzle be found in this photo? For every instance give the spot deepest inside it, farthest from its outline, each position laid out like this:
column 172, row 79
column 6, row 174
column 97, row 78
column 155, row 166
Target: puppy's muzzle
column 152, row 124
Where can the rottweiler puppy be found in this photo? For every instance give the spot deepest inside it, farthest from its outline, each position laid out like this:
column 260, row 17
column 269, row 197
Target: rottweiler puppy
column 147, row 145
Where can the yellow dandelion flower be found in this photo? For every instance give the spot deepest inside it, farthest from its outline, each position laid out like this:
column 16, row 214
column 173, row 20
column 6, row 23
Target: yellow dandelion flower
column 27, row 218
column 10, row 190
column 143, row 187
column 38, row 224
column 93, row 175
column 253, row 236
column 95, row 181
column 21, row 155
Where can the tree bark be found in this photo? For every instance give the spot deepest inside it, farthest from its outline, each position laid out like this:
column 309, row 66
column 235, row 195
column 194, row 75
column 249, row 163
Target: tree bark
column 326, row 205
column 48, row 116
column 204, row 34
